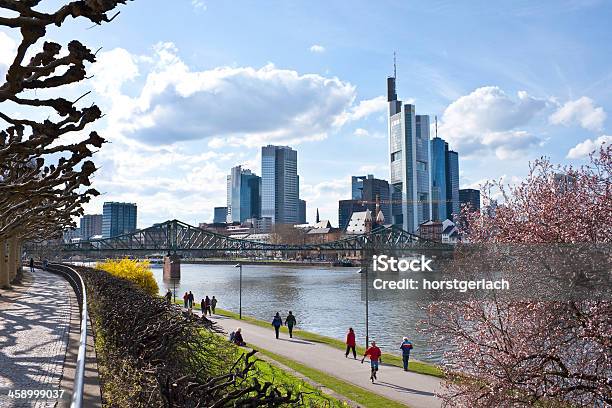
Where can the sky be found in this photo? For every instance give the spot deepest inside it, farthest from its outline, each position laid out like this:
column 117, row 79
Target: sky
column 191, row 88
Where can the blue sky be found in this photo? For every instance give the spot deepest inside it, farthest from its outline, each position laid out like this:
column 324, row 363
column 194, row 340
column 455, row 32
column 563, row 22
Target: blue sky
column 191, row 88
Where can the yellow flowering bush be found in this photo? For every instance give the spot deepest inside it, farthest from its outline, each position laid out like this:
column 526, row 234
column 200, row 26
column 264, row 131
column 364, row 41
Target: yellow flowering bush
column 134, row 271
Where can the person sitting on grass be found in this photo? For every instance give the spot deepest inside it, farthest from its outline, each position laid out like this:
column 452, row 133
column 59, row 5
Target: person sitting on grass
column 236, row 337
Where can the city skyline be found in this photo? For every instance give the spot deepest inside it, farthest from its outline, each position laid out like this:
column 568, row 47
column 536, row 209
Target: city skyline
column 184, row 105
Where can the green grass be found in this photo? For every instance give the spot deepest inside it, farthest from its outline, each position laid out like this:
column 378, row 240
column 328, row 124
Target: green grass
column 357, row 394
column 414, row 366
column 282, row 380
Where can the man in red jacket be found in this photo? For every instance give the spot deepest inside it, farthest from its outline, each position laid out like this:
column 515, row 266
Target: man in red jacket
column 350, row 343
column 374, row 353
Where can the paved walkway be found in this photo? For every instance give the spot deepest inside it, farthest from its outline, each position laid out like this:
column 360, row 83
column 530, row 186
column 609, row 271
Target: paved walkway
column 34, row 328
column 414, row 390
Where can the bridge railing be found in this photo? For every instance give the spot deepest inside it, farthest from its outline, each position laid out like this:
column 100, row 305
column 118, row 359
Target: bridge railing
column 78, row 285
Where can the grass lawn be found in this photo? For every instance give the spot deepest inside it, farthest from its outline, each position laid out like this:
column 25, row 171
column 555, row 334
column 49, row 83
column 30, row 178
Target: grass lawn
column 414, row 366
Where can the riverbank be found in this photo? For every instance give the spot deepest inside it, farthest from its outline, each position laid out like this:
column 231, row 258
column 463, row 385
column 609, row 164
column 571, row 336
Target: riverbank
column 415, row 366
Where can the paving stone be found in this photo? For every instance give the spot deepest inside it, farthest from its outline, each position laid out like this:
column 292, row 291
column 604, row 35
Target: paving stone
column 34, row 326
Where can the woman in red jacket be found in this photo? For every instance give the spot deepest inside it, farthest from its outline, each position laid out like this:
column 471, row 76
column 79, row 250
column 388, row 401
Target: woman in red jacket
column 350, row 343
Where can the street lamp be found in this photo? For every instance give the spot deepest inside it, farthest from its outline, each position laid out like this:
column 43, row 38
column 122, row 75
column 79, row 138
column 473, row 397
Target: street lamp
column 367, row 327
column 240, row 296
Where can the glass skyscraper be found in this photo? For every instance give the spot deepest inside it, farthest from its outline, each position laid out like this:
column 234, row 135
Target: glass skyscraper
column 439, row 148
column 280, row 184
column 220, row 215
column 470, row 197
column 357, row 187
column 118, row 219
column 409, row 163
column 243, row 195
column 90, row 225
column 452, row 184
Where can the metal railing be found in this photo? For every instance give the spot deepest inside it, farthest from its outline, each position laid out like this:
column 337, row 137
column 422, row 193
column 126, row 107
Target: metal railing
column 75, row 280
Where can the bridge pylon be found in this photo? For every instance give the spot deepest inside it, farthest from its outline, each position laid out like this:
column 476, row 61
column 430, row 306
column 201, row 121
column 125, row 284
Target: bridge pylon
column 172, row 266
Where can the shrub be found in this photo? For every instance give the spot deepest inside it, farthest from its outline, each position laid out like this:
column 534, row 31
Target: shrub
column 133, row 271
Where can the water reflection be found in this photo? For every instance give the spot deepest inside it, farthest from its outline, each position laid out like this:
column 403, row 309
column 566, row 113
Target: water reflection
column 325, row 301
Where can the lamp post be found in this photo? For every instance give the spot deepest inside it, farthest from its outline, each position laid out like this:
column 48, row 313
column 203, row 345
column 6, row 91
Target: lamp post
column 240, row 296
column 367, row 326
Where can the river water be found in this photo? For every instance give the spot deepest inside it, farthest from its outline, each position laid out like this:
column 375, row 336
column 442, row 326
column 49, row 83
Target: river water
column 325, row 300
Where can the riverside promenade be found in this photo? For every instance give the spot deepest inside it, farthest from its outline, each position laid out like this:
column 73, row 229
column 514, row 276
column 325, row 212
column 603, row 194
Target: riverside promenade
column 39, row 340
column 414, row 390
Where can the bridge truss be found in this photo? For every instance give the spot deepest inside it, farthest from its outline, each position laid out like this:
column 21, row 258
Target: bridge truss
column 176, row 237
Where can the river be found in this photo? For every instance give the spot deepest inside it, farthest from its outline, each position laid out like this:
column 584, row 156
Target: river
column 324, row 300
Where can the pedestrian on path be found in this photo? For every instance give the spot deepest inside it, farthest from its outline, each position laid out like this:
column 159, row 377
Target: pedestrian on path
column 406, row 346
column 207, row 306
column 350, row 343
column 32, row 265
column 203, row 307
column 186, row 299
column 191, row 299
column 168, row 296
column 290, row 322
column 277, row 322
column 374, row 353
column 213, row 304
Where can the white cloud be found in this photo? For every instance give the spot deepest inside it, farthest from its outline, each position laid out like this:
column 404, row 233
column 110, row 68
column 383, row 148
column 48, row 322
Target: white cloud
column 8, row 48
column 325, row 196
column 360, row 132
column 583, row 149
column 240, row 105
column 362, row 110
column 199, row 4
column 316, row 48
column 489, row 120
column 582, row 111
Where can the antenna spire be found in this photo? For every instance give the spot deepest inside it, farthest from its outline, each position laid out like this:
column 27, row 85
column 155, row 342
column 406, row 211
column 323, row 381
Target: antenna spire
column 394, row 66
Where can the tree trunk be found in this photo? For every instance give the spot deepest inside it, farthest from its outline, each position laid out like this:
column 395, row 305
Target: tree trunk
column 12, row 259
column 4, row 271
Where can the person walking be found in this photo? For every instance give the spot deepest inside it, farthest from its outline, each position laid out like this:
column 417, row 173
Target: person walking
column 191, row 299
column 406, row 346
column 32, row 265
column 277, row 322
column 290, row 322
column 350, row 343
column 374, row 353
column 213, row 304
column 186, row 300
column 203, row 307
column 168, row 296
column 207, row 306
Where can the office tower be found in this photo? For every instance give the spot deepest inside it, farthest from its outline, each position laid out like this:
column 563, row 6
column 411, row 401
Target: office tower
column 118, row 218
column 243, row 195
column 220, row 215
column 280, row 184
column 439, row 149
column 357, row 186
column 90, row 225
column 409, row 163
column 452, row 184
column 376, row 189
column 346, row 208
column 302, row 212
column 470, row 197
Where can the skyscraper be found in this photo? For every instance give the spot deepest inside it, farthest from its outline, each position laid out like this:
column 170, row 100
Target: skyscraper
column 118, row 218
column 470, row 197
column 220, row 215
column 280, row 184
column 243, row 195
column 376, row 189
column 452, row 184
column 357, row 187
column 409, row 163
column 90, row 225
column 438, row 178
column 302, row 212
